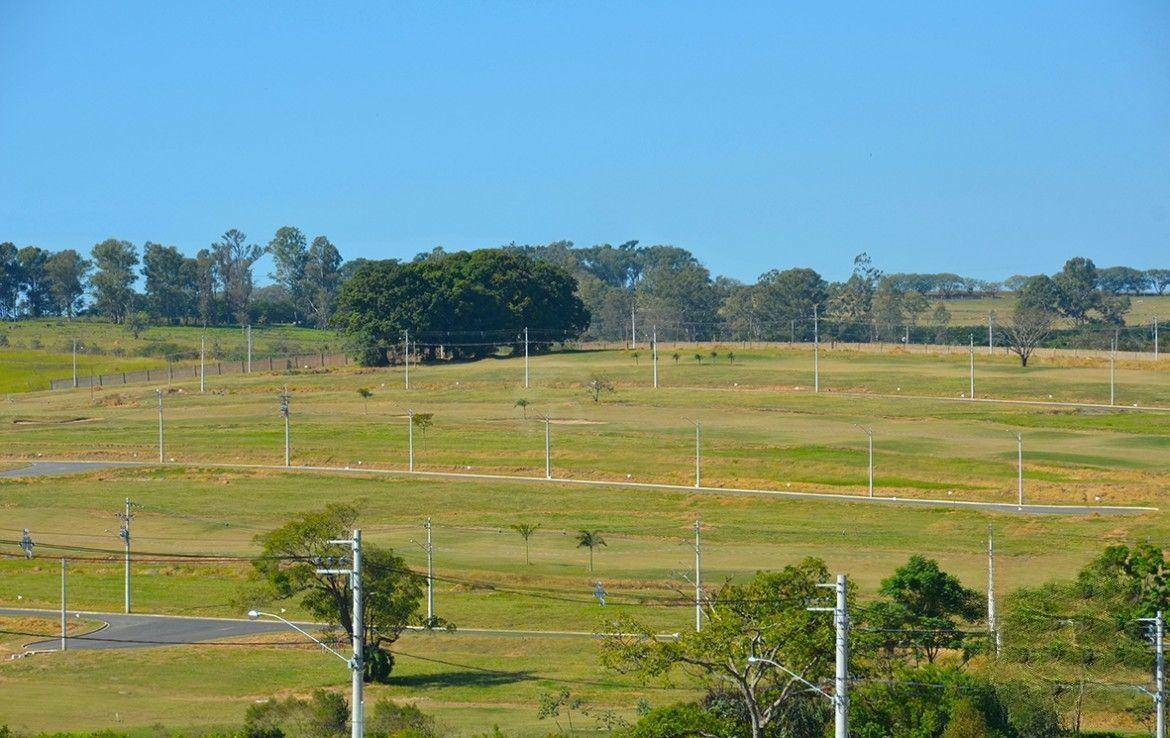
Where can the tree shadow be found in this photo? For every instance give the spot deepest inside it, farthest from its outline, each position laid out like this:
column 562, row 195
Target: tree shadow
column 463, row 678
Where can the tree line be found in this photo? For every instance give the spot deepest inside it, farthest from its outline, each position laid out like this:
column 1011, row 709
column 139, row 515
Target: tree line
column 216, row 286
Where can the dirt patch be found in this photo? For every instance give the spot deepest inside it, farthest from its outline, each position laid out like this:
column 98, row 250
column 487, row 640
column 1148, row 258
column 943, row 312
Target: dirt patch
column 578, row 421
column 51, row 421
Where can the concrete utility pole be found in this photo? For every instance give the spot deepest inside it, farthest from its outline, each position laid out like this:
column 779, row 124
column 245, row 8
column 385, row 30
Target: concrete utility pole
column 990, row 332
column 816, row 351
column 525, row 358
column 75, row 359
column 356, row 664
column 1112, row 364
column 841, row 677
column 547, row 447
column 1155, row 342
column 63, row 604
column 409, row 439
column 430, row 551
column 124, row 533
column 698, row 453
column 1159, row 676
column 202, row 359
column 972, row 372
column 869, row 435
column 284, row 412
column 159, row 393
column 698, row 577
column 1020, row 468
column 407, row 354
column 992, row 622
column 248, row 335
column 654, row 354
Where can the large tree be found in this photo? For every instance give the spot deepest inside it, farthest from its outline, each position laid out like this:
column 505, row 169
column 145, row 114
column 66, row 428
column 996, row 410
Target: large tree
column 321, row 279
column 234, row 258
column 34, row 282
column 764, row 618
column 114, row 279
column 287, row 569
column 491, row 292
column 9, row 280
column 166, row 293
column 290, row 256
column 67, row 272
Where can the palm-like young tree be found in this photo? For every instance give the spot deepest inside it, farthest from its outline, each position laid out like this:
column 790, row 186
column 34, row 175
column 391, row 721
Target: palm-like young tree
column 526, row 530
column 589, row 539
column 365, row 393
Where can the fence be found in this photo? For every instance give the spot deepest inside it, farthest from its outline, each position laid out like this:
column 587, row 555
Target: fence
column 211, row 368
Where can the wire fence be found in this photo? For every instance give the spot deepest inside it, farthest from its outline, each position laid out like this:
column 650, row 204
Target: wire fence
column 176, row 371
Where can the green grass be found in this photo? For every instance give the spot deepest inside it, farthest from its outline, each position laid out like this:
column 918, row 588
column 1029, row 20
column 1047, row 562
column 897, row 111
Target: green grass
column 759, row 430
column 38, row 350
column 973, row 311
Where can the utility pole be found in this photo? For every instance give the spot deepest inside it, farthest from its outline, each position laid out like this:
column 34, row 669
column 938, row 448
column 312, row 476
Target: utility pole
column 75, row 357
column 547, row 447
column 525, row 358
column 816, row 351
column 698, row 580
column 124, row 533
column 869, row 435
column 841, row 677
column 430, row 549
column 992, row 622
column 654, row 354
column 1159, row 676
column 1155, row 344
column 1112, row 363
column 63, row 604
column 1020, row 468
column 407, row 354
column 409, row 439
column 698, row 453
column 202, row 360
column 159, row 393
column 356, row 664
column 972, row 371
column 248, row 335
column 990, row 332
column 284, row 412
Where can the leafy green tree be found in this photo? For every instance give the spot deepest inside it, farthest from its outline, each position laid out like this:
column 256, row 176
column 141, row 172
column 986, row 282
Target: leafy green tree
column 941, row 318
column 764, row 618
column 287, row 569
column 589, row 539
column 113, row 279
column 1158, row 279
column 34, row 282
column 1076, row 286
column 9, row 279
column 522, row 403
column 922, row 611
column 322, row 278
column 234, row 258
column 526, row 530
column 66, row 273
column 166, row 294
column 290, row 257
column 365, row 393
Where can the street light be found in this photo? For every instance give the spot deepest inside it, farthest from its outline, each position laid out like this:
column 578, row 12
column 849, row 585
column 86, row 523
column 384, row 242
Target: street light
column 257, row 614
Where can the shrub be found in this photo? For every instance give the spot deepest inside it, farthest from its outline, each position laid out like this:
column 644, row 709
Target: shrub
column 400, row 721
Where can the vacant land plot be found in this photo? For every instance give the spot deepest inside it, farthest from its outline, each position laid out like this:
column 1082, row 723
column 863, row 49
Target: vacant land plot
column 761, row 426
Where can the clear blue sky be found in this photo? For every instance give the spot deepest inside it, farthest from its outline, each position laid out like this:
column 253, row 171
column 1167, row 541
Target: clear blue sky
column 984, row 138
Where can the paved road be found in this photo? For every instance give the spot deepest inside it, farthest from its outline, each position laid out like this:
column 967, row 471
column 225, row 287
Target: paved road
column 58, row 468
column 145, row 631
column 65, row 466
column 141, row 631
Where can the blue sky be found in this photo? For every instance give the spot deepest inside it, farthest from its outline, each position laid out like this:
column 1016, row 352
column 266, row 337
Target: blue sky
column 984, row 138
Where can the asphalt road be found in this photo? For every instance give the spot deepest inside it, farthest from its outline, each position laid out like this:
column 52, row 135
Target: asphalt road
column 145, row 631
column 63, row 466
column 142, row 631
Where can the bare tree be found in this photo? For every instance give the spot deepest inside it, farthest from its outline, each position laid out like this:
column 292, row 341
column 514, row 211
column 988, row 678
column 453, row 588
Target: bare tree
column 1027, row 329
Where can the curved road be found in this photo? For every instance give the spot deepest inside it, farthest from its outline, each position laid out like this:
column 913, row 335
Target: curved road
column 64, row 466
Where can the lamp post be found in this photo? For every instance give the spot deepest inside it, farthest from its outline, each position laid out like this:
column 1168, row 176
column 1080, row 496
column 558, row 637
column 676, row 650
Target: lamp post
column 1020, row 469
column 869, row 434
column 284, row 411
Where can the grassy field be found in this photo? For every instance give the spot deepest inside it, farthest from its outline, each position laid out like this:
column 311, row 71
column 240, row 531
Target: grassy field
column 34, row 351
column 761, row 427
